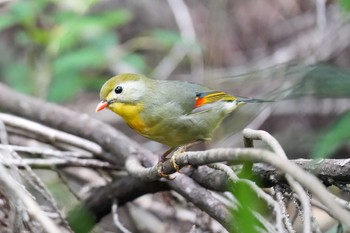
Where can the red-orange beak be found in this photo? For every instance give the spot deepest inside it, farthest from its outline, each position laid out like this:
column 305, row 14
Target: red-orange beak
column 102, row 105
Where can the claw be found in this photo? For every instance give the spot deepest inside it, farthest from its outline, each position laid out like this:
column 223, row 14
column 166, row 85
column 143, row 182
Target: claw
column 173, row 162
column 164, row 158
column 161, row 173
column 180, row 150
column 175, row 166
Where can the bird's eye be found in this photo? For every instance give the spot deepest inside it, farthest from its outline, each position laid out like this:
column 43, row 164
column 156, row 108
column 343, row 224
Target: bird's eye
column 118, row 90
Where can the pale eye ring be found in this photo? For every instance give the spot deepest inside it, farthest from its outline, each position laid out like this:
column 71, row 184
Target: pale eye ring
column 118, row 90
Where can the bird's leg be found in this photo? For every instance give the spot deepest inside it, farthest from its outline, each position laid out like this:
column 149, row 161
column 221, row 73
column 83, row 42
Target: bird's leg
column 164, row 158
column 161, row 160
column 180, row 150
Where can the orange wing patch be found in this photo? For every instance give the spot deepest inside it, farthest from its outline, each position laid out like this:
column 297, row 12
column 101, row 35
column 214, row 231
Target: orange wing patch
column 211, row 97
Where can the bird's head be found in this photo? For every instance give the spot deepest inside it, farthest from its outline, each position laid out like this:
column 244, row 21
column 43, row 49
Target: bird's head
column 124, row 88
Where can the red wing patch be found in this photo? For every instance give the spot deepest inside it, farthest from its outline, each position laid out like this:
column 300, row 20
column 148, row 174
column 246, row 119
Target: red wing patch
column 211, row 97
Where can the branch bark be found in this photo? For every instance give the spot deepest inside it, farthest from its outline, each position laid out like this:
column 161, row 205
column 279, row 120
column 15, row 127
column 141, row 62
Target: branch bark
column 120, row 149
column 61, row 118
column 83, row 217
column 115, row 143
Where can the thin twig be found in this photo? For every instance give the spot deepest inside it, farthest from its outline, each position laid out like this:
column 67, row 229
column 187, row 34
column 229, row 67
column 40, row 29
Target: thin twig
column 168, row 64
column 59, row 162
column 44, row 151
column 267, row 198
column 184, row 47
column 258, row 155
column 50, row 133
column 200, row 197
column 345, row 204
column 277, row 148
column 239, row 155
column 32, row 177
column 116, row 221
column 321, row 15
column 286, row 220
column 32, row 207
column 65, row 181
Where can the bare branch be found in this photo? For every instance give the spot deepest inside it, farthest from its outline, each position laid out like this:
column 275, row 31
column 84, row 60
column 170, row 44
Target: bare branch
column 78, row 124
column 327, row 170
column 116, row 221
column 45, row 152
column 32, row 207
column 321, row 14
column 277, row 148
column 84, row 126
column 182, row 48
column 286, row 220
column 257, row 155
column 99, row 202
column 59, row 162
column 201, row 197
column 107, row 137
column 52, row 134
column 32, row 178
column 267, row 198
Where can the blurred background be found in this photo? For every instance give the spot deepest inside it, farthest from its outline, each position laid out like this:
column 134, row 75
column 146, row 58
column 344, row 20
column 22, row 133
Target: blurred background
column 294, row 52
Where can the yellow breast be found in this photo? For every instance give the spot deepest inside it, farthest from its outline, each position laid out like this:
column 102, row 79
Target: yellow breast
column 131, row 115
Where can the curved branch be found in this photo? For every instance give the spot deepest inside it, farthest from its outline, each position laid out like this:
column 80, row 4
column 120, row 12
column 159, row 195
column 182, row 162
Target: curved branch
column 32, row 207
column 278, row 150
column 120, row 147
column 202, row 198
column 110, row 139
column 78, row 124
column 257, row 155
column 52, row 134
column 261, row 194
column 98, row 204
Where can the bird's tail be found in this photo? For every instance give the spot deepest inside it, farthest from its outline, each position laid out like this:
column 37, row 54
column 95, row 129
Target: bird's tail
column 251, row 100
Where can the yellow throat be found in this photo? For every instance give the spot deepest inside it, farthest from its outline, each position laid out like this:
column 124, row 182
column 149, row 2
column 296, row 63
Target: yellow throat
column 131, row 114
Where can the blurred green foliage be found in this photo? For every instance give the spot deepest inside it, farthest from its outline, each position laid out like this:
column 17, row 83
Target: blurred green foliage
column 326, row 81
column 54, row 49
column 63, row 50
column 336, row 136
column 245, row 221
column 345, row 4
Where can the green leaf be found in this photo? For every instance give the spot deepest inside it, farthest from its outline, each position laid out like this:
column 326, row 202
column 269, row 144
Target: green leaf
column 243, row 216
column 16, row 75
column 40, row 36
column 102, row 21
column 104, row 41
column 136, row 60
column 79, row 59
column 93, row 82
column 26, row 11
column 345, row 4
column 114, row 18
column 74, row 29
column 166, row 36
column 21, row 12
column 7, row 21
column 65, row 87
column 334, row 138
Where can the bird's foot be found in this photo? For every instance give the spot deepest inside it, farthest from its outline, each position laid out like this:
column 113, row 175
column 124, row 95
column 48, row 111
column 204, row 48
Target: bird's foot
column 161, row 172
column 176, row 154
column 164, row 158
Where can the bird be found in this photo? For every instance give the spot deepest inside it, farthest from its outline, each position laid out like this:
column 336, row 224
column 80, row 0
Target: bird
column 173, row 113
